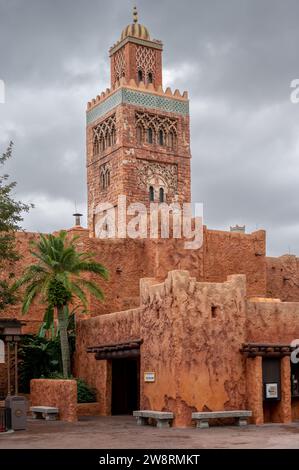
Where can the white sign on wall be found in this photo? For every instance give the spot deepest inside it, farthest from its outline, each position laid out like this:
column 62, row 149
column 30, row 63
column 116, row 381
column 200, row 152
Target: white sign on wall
column 2, row 352
column 271, row 391
column 149, row 377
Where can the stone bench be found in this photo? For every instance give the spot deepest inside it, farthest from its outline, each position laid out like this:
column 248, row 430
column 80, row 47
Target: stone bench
column 202, row 418
column 163, row 418
column 49, row 413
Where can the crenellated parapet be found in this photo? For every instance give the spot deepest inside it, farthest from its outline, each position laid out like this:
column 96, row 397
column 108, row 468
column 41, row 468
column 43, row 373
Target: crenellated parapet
column 129, row 92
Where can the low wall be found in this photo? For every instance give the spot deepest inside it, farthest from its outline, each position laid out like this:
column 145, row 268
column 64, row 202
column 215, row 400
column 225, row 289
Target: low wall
column 88, row 409
column 59, row 393
column 104, row 329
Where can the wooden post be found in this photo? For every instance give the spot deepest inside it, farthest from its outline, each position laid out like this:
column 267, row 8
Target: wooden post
column 285, row 406
column 8, row 368
column 16, row 368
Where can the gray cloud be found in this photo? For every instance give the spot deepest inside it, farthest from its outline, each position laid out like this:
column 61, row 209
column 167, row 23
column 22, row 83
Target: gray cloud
column 236, row 58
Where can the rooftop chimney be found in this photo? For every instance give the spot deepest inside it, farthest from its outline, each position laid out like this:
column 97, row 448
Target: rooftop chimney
column 238, row 229
column 78, row 219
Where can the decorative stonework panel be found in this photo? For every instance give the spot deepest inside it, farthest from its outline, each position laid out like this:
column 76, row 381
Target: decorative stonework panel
column 156, row 122
column 119, row 64
column 146, row 61
column 104, row 135
column 151, row 172
column 163, row 129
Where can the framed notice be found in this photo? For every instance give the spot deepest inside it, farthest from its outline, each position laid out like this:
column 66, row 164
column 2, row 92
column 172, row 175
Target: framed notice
column 149, row 377
column 271, row 390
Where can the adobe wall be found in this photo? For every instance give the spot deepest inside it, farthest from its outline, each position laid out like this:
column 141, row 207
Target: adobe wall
column 105, row 329
column 283, row 278
column 194, row 351
column 126, row 264
column 128, row 261
column 277, row 323
column 227, row 253
column 187, row 344
column 34, row 317
column 222, row 254
column 192, row 334
column 272, row 322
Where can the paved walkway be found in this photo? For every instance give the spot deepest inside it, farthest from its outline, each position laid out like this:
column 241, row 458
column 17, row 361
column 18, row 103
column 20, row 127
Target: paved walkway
column 122, row 433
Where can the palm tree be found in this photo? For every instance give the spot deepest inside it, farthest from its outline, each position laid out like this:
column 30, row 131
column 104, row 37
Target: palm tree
column 57, row 280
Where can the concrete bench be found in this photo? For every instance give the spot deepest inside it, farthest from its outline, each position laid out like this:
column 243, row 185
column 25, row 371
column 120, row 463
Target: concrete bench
column 162, row 418
column 202, row 418
column 48, row 413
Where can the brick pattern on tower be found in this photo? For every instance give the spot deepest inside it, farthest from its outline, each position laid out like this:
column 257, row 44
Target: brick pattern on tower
column 138, row 136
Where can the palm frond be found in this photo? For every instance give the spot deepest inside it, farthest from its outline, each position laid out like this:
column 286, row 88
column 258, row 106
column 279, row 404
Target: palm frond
column 92, row 267
column 76, row 289
column 30, row 294
column 58, row 259
column 92, row 288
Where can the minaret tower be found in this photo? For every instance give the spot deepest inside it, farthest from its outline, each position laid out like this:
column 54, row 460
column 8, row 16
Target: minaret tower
column 138, row 137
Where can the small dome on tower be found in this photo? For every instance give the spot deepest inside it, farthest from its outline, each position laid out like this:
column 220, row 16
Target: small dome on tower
column 135, row 29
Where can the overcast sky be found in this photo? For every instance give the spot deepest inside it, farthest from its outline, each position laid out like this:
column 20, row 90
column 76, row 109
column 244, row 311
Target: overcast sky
column 236, row 58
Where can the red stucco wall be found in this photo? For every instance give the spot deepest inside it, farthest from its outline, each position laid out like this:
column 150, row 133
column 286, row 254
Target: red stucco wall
column 283, row 278
column 58, row 393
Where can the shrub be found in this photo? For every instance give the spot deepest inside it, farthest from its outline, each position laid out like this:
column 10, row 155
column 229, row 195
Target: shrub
column 38, row 357
column 85, row 393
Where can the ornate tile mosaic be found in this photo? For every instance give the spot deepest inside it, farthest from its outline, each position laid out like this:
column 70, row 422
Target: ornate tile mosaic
column 138, row 98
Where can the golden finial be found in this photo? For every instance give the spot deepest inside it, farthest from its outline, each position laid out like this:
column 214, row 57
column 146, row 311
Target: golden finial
column 135, row 15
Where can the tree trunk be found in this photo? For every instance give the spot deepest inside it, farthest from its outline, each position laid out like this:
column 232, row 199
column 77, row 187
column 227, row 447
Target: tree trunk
column 64, row 342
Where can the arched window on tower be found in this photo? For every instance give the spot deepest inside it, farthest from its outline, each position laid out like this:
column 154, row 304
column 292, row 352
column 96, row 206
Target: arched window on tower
column 139, row 134
column 96, row 146
column 113, row 136
column 161, row 195
column 105, row 134
column 161, row 137
column 151, row 194
column 150, row 135
column 172, row 140
column 103, row 180
column 104, row 177
column 150, row 78
column 140, row 76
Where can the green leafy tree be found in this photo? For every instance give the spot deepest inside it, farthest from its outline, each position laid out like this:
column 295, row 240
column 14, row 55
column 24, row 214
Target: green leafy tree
column 10, row 219
column 58, row 280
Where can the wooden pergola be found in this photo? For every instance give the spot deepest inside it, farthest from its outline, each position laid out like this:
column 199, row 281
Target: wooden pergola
column 10, row 334
column 129, row 349
column 266, row 350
